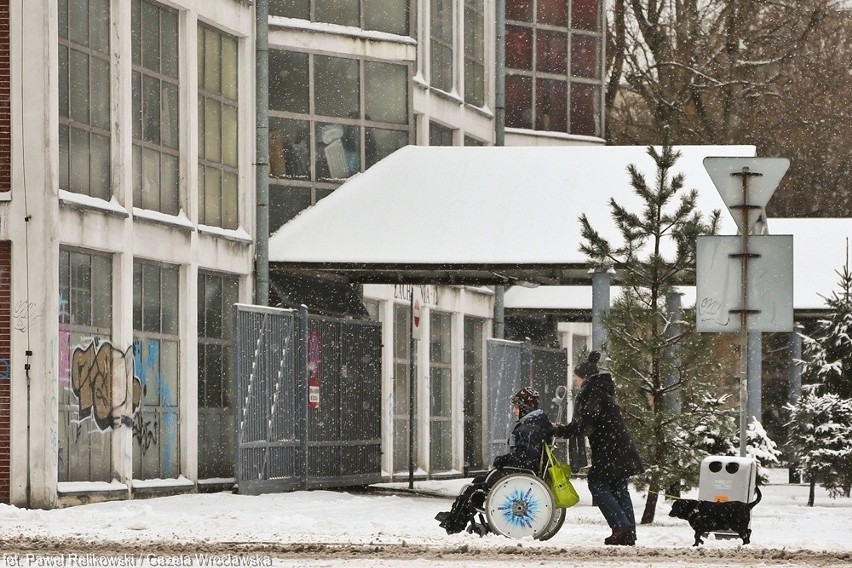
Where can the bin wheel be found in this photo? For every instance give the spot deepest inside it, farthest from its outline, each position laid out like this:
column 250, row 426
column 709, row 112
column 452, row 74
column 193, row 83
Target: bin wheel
column 521, row 505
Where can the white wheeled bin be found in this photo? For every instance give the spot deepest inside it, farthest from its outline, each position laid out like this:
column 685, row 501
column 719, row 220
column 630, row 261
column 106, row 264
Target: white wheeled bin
column 727, row 478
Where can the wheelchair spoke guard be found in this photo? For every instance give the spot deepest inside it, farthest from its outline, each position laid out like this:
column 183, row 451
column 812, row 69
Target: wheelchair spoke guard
column 520, row 505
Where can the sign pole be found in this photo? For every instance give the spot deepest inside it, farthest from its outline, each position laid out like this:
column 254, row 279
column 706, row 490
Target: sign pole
column 744, row 311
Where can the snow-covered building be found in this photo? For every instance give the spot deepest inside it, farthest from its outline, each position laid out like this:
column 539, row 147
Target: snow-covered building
column 127, row 231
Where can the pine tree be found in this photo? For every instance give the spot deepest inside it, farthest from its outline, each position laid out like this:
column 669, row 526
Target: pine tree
column 657, row 254
column 829, row 351
column 820, row 435
column 820, row 427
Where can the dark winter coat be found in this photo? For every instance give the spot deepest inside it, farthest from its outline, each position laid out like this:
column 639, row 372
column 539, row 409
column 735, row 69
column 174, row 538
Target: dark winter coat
column 598, row 417
column 525, row 442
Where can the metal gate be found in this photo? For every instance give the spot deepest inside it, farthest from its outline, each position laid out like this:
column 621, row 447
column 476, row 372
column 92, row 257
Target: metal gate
column 307, row 400
column 512, row 365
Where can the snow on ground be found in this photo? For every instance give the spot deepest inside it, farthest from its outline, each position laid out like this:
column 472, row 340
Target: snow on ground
column 284, row 528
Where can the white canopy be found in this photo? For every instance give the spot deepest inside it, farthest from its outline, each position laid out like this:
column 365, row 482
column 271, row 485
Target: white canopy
column 478, row 214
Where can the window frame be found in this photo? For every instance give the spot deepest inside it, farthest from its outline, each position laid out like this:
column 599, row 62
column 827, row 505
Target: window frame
column 211, row 164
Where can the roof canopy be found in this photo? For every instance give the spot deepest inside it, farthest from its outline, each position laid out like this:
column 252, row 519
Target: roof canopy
column 477, row 215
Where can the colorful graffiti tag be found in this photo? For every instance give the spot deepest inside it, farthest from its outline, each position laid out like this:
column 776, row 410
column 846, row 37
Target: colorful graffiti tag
column 99, row 374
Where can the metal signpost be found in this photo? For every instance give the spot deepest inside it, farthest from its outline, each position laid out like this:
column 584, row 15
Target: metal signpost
column 745, row 184
column 416, row 331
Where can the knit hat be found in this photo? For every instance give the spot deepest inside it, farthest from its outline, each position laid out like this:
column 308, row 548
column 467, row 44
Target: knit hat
column 526, row 399
column 588, row 367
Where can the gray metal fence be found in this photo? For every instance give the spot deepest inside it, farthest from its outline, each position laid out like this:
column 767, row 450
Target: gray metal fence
column 307, row 400
column 511, row 366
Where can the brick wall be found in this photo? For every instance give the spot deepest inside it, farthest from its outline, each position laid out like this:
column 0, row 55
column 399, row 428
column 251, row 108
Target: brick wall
column 5, row 371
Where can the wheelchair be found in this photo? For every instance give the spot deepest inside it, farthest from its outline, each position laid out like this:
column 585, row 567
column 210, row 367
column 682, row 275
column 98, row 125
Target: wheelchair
column 516, row 503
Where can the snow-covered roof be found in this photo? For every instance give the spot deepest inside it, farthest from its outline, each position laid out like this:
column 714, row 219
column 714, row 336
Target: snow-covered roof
column 437, row 209
column 820, row 248
column 570, row 298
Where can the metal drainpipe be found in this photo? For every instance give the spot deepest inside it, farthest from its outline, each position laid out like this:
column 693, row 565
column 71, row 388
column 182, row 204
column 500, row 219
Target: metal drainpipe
column 261, row 286
column 499, row 133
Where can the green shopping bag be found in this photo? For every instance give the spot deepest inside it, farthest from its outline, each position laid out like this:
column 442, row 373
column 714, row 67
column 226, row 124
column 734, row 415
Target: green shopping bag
column 559, row 479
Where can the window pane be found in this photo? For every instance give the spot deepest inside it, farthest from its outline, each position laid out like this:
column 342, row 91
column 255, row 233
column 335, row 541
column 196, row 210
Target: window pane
column 99, row 25
column 288, row 81
column 285, row 203
column 170, row 300
column 551, row 51
column 338, row 151
column 584, row 56
column 100, row 163
column 63, row 18
column 137, row 176
column 100, row 94
column 212, row 63
column 150, row 179
column 518, row 47
column 213, row 307
column 387, row 16
column 136, row 98
column 169, row 116
column 229, row 135
column 229, row 201
column 336, row 86
column 79, row 161
column 386, row 92
column 101, row 291
column 380, row 143
column 169, row 184
column 585, row 110
column 150, row 37
column 63, row 82
column 151, row 298
column 81, row 288
column 63, row 157
column 440, row 135
column 551, row 109
column 553, row 12
column 169, row 54
column 229, row 68
column 79, row 88
column 290, row 8
column 212, row 130
column 289, row 148
column 79, row 22
column 151, row 109
column 518, row 101
column 520, row 10
column 584, row 14
column 343, row 12
column 212, row 196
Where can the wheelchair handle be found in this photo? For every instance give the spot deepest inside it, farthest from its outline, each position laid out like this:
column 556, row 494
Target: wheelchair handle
column 559, row 398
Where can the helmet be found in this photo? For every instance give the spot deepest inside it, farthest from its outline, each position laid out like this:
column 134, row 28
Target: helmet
column 526, row 399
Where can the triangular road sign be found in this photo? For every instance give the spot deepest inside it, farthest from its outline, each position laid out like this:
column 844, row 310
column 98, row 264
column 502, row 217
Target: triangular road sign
column 763, row 176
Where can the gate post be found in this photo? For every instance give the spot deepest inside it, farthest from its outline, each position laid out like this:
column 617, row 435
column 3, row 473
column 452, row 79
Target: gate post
column 302, row 391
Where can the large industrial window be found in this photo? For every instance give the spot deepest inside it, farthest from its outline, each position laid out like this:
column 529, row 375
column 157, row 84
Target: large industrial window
column 84, row 97
column 155, row 107
column 440, row 392
column 474, row 52
column 401, row 381
column 473, row 386
column 156, row 346
column 86, row 416
column 330, row 118
column 390, row 16
column 554, row 60
column 217, row 294
column 217, row 129
column 441, row 37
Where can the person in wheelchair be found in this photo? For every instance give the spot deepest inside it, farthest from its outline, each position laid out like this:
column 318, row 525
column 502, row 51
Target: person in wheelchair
column 526, row 440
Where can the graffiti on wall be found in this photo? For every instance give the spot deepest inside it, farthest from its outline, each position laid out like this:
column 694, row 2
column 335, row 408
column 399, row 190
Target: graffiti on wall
column 100, row 375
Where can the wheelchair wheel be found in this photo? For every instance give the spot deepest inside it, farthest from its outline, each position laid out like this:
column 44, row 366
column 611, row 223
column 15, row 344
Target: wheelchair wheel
column 555, row 524
column 521, row 505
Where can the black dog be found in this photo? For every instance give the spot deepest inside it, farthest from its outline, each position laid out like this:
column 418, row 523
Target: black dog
column 707, row 516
